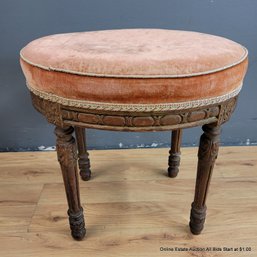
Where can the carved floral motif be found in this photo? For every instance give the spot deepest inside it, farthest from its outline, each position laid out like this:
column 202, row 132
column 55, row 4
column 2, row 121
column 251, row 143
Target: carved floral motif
column 227, row 109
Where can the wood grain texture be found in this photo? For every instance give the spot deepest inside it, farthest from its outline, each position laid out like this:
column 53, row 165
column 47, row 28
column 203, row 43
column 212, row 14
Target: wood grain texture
column 132, row 210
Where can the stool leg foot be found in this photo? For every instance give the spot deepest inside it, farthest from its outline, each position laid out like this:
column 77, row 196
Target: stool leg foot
column 77, row 224
column 197, row 219
column 84, row 163
column 67, row 157
column 174, row 157
column 207, row 154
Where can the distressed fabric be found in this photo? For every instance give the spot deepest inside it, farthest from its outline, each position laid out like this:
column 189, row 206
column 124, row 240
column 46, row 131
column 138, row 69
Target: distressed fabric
column 132, row 66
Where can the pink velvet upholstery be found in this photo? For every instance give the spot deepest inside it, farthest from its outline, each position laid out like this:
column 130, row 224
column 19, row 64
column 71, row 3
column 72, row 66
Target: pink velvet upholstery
column 133, row 66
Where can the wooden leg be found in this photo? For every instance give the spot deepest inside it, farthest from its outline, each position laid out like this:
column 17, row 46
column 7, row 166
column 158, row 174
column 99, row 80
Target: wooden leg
column 174, row 158
column 67, row 157
column 84, row 163
column 207, row 153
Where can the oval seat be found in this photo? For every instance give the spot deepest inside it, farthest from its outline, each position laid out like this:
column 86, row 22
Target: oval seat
column 134, row 67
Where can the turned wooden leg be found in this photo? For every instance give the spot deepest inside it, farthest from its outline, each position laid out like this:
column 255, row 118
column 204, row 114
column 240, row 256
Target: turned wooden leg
column 174, row 158
column 84, row 163
column 67, row 157
column 207, row 153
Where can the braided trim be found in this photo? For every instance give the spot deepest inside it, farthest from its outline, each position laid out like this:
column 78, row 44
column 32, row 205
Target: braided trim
column 133, row 107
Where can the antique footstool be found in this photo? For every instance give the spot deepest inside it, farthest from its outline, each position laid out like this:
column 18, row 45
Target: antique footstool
column 134, row 80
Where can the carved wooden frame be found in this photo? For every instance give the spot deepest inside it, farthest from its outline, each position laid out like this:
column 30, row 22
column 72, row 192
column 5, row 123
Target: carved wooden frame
column 62, row 115
column 66, row 118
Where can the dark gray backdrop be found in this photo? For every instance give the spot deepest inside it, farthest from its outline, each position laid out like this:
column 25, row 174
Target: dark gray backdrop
column 21, row 21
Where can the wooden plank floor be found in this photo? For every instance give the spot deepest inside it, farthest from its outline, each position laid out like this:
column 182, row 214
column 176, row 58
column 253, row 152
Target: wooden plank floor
column 132, row 208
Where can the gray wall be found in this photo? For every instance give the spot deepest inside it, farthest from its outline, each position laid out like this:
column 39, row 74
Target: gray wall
column 21, row 21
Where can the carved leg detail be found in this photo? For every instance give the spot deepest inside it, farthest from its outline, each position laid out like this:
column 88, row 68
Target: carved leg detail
column 84, row 163
column 174, row 158
column 67, row 157
column 207, row 153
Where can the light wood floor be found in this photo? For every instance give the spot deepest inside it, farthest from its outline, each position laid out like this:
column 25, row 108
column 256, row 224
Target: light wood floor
column 132, row 208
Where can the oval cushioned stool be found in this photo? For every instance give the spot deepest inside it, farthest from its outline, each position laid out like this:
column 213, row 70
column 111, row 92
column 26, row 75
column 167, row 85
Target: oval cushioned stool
column 134, row 80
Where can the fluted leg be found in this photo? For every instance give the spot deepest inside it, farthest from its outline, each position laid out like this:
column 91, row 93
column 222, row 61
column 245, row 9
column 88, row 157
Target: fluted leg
column 207, row 153
column 174, row 157
column 67, row 157
column 84, row 163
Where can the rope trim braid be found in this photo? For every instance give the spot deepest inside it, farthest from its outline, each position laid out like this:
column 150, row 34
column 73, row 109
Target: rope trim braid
column 90, row 74
column 133, row 107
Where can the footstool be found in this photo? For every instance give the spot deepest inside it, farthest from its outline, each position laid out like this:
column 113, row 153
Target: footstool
column 134, row 80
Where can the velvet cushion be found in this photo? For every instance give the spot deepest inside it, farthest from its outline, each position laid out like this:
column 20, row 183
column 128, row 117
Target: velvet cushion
column 134, row 66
